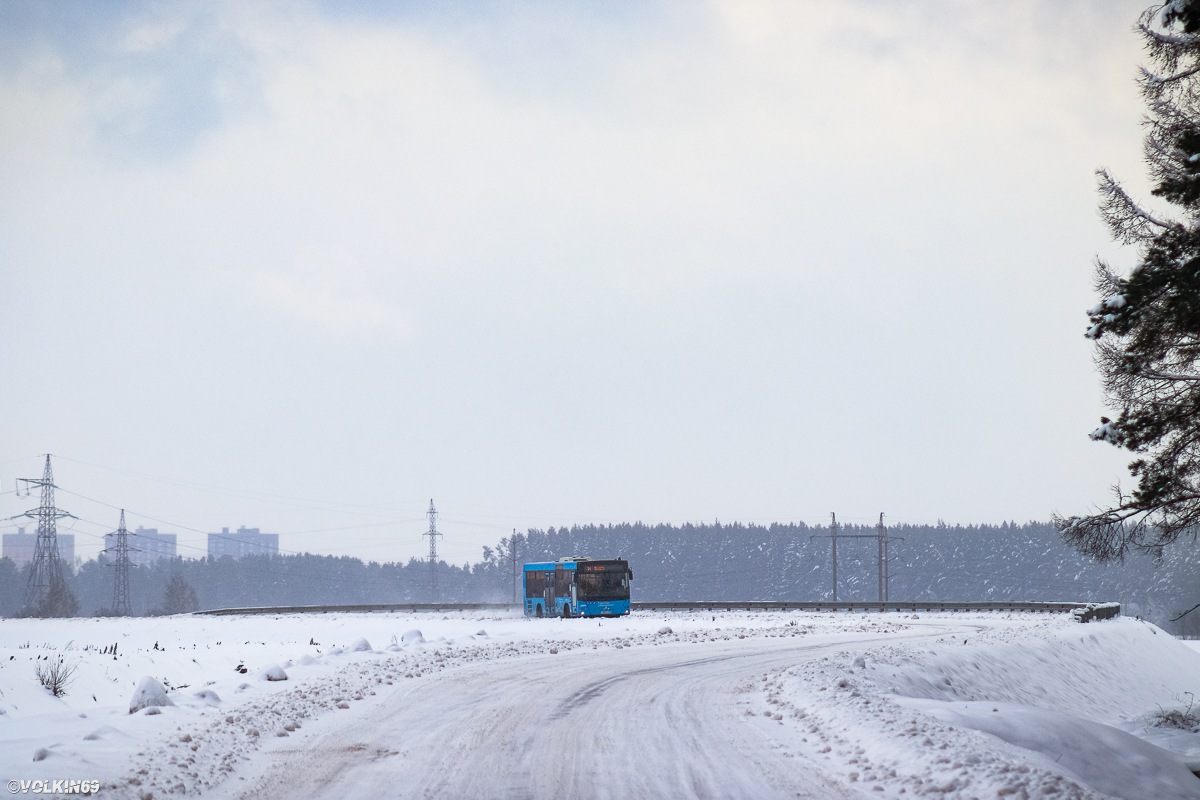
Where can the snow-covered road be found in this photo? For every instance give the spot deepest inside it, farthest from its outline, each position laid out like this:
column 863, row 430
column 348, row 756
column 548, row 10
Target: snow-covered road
column 664, row 721
column 666, row 705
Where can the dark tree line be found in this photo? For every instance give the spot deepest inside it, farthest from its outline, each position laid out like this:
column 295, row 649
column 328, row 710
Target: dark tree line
column 257, row 581
column 686, row 562
column 793, row 562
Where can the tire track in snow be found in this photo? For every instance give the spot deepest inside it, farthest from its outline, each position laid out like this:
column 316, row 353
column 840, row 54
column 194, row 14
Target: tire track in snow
column 635, row 722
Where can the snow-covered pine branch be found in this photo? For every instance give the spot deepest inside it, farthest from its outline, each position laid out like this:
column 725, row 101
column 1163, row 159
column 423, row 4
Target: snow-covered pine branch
column 1129, row 222
column 1150, row 364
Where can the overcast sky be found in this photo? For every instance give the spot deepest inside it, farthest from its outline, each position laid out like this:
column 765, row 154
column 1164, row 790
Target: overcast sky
column 304, row 266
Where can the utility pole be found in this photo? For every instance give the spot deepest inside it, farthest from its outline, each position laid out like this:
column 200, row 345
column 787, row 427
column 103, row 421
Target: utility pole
column 833, row 534
column 887, row 572
column 46, row 572
column 432, row 533
column 882, row 534
column 121, row 605
column 887, row 561
column 512, row 547
column 881, row 539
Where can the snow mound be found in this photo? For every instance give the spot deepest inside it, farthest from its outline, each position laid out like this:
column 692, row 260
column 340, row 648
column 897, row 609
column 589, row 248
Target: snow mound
column 1078, row 670
column 1111, row 760
column 413, row 637
column 208, row 696
column 481, row 632
column 149, row 693
column 101, row 732
column 664, row 630
column 273, row 672
column 360, row 646
column 307, row 661
column 40, row 754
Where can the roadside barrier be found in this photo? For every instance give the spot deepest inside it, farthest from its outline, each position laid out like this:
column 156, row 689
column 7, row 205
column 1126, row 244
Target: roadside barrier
column 1084, row 612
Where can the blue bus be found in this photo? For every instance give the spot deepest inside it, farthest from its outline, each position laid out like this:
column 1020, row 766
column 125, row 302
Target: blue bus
column 577, row 587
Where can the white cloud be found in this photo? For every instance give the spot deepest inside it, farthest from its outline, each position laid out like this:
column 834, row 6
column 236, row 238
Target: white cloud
column 330, row 290
column 150, row 36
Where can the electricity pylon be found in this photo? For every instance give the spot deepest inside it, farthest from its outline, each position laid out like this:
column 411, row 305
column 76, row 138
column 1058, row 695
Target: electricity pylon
column 46, row 571
column 433, row 534
column 121, row 605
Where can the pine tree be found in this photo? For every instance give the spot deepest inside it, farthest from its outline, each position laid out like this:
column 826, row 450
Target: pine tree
column 1147, row 324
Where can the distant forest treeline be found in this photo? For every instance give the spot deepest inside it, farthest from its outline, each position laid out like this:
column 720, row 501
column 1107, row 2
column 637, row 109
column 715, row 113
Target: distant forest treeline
column 688, row 562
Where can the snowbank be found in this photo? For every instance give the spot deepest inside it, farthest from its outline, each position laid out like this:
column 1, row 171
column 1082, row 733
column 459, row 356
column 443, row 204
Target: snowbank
column 1104, row 757
column 1051, row 707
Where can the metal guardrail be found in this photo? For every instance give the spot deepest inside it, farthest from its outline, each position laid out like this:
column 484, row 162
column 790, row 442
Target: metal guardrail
column 917, row 605
column 222, row 612
column 697, row 605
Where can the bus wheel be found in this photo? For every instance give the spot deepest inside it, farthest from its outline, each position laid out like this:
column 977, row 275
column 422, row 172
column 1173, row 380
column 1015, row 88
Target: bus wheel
column 566, row 611
column 539, row 611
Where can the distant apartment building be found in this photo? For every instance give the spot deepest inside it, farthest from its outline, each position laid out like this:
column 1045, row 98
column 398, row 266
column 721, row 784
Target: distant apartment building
column 245, row 542
column 146, row 545
column 19, row 547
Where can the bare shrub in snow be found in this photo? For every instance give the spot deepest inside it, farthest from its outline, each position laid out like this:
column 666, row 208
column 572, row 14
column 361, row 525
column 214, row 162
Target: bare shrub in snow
column 1183, row 718
column 55, row 674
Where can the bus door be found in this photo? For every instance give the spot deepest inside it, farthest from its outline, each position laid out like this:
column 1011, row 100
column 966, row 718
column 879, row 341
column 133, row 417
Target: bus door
column 563, row 578
column 548, row 594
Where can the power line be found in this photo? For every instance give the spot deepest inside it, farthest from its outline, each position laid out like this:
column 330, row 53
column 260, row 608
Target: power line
column 246, row 494
column 269, row 566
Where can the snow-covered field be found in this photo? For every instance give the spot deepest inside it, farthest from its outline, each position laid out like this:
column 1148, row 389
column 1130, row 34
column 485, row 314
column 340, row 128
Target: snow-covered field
column 488, row 705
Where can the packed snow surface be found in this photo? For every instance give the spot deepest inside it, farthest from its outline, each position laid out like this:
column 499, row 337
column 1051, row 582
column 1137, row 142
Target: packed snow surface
column 742, row 704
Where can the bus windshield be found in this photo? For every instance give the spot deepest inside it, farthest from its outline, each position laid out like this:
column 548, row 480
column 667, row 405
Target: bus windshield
column 602, row 585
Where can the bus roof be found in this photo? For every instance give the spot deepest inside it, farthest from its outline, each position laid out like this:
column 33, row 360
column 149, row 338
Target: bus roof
column 571, row 563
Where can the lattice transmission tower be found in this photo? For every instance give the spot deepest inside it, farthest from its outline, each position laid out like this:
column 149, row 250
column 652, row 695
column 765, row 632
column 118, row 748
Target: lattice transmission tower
column 433, row 535
column 121, row 551
column 46, row 571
